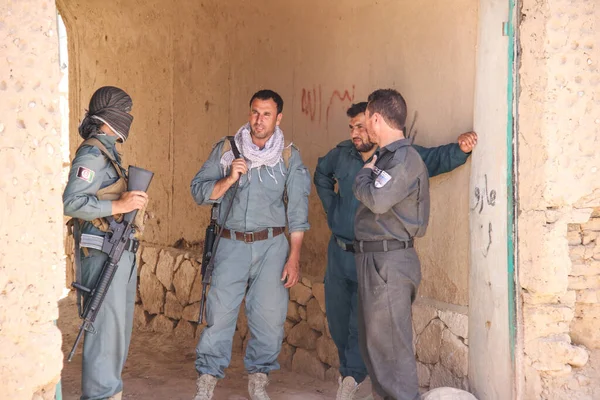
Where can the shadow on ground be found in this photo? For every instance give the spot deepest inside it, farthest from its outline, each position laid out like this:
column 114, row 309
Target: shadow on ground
column 162, row 367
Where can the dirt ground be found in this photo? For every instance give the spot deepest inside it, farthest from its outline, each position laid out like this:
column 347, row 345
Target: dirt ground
column 162, row 367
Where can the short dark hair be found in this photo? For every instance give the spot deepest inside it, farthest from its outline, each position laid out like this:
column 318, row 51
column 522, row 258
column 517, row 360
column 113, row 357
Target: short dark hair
column 391, row 105
column 267, row 94
column 357, row 108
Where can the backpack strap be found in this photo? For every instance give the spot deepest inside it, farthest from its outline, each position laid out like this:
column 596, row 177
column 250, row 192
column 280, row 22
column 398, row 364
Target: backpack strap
column 286, row 154
column 226, row 146
column 102, row 223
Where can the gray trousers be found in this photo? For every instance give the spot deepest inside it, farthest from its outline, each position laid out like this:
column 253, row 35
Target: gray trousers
column 387, row 286
column 105, row 351
column 253, row 270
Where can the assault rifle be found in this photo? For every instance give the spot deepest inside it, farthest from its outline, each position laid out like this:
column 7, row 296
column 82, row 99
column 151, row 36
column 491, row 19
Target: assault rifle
column 119, row 238
column 212, row 238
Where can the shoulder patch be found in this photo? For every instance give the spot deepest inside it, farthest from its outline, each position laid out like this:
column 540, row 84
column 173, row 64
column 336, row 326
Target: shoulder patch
column 382, row 178
column 85, row 174
column 218, row 142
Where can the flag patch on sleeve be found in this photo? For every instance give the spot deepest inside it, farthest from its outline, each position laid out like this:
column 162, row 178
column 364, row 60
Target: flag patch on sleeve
column 382, row 179
column 85, row 174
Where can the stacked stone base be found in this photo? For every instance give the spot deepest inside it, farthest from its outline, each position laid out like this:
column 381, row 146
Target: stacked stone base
column 168, row 302
column 308, row 347
column 441, row 338
column 560, row 305
column 584, row 281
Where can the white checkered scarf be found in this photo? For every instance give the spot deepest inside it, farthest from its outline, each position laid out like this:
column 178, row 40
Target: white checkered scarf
column 268, row 157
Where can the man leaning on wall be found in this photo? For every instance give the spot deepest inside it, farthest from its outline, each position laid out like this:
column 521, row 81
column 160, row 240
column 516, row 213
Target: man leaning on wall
column 393, row 189
column 340, row 167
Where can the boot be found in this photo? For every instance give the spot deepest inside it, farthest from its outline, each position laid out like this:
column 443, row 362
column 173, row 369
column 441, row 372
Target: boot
column 117, row 396
column 346, row 389
column 205, row 386
column 257, row 386
column 365, row 389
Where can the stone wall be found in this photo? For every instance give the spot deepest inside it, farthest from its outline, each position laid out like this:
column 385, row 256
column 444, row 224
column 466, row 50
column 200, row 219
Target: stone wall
column 558, row 189
column 441, row 340
column 560, row 330
column 169, row 291
column 584, row 280
column 31, row 258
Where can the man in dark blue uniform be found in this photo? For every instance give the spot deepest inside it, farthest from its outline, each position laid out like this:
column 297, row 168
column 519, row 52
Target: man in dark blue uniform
column 340, row 166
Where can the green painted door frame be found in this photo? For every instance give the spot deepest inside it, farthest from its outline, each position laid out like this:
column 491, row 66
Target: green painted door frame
column 511, row 184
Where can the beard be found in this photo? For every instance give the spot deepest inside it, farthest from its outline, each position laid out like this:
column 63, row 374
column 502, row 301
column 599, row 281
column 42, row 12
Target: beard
column 364, row 147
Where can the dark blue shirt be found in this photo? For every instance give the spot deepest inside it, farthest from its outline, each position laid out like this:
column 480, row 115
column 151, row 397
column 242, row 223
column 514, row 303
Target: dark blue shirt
column 342, row 164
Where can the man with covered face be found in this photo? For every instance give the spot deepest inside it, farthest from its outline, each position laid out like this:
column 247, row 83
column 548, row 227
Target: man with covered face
column 340, row 166
column 253, row 258
column 97, row 189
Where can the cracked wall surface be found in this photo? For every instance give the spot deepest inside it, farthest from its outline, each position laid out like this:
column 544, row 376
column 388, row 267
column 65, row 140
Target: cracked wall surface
column 558, row 187
column 31, row 258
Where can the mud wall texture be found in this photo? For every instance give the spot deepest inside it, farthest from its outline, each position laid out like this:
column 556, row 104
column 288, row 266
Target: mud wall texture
column 31, row 258
column 191, row 68
column 559, row 191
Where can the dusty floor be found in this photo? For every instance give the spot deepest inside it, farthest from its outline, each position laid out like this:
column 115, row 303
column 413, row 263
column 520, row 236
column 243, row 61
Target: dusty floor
column 162, row 367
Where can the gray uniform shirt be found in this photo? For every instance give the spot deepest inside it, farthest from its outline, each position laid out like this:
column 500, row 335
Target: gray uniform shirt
column 90, row 172
column 258, row 203
column 395, row 201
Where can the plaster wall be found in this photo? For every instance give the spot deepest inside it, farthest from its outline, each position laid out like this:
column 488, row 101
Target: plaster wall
column 558, row 186
column 191, row 68
column 31, row 258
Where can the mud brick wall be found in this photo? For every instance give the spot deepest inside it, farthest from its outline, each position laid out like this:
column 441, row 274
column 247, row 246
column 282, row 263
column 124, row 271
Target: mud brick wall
column 558, row 190
column 584, row 280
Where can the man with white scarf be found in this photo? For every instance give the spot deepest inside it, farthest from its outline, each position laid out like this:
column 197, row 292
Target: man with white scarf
column 253, row 257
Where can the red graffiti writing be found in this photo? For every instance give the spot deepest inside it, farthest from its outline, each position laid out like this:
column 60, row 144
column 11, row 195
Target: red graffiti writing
column 312, row 104
column 336, row 95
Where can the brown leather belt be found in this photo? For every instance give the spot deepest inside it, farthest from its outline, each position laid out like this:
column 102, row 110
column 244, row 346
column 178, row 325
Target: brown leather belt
column 251, row 237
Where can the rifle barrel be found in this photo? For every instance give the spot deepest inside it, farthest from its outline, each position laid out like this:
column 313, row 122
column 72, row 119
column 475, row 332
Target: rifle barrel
column 79, row 336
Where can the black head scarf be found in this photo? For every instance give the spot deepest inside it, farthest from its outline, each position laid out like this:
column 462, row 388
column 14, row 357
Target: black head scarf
column 111, row 106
